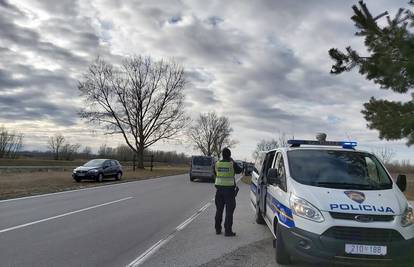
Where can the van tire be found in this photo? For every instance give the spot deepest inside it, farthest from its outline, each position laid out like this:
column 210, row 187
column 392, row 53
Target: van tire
column 281, row 253
column 191, row 178
column 259, row 216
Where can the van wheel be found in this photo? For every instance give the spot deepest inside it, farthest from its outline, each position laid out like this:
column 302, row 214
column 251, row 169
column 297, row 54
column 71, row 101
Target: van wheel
column 259, row 216
column 100, row 178
column 281, row 253
column 191, row 178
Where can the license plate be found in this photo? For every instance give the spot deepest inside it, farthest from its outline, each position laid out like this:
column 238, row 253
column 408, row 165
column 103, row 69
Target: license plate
column 365, row 249
column 80, row 174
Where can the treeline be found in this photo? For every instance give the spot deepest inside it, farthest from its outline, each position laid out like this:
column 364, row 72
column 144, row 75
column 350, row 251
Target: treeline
column 11, row 143
column 400, row 167
column 124, row 153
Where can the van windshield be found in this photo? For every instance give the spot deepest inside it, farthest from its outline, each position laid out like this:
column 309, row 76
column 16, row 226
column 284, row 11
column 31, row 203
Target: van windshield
column 202, row 161
column 338, row 169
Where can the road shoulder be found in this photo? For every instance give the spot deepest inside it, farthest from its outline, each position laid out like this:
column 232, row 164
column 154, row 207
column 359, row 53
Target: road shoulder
column 198, row 244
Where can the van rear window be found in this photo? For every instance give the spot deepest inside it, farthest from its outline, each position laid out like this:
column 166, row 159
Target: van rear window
column 202, row 161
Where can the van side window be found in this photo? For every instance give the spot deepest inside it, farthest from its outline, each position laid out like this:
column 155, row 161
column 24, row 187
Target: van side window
column 259, row 163
column 281, row 171
column 267, row 165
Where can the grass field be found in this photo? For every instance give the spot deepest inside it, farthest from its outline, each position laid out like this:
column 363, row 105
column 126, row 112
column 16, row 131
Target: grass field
column 60, row 163
column 34, row 183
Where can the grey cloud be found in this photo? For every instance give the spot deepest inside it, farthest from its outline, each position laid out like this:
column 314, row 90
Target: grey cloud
column 33, row 105
column 205, row 96
column 214, row 20
column 30, row 40
column 59, row 8
column 247, row 59
column 9, row 7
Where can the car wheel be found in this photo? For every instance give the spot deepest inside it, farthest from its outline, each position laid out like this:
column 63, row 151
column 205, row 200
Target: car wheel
column 78, row 180
column 118, row 176
column 281, row 253
column 191, row 178
column 100, row 178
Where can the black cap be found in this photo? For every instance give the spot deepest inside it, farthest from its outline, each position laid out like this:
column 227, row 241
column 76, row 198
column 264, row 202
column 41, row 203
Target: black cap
column 226, row 153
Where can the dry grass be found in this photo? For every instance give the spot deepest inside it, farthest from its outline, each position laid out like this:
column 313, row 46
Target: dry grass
column 409, row 193
column 40, row 162
column 33, row 183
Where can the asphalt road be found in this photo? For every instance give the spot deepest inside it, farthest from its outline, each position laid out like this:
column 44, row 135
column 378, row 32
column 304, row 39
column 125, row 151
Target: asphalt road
column 103, row 226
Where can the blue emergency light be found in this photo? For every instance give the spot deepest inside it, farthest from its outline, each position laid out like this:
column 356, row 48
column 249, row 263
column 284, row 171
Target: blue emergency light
column 343, row 144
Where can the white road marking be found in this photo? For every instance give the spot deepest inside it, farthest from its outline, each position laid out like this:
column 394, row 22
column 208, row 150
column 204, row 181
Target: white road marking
column 144, row 256
column 62, row 215
column 154, row 248
column 83, row 189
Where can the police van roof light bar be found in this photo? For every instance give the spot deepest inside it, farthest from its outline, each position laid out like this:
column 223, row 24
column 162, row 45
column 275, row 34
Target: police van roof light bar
column 343, row 144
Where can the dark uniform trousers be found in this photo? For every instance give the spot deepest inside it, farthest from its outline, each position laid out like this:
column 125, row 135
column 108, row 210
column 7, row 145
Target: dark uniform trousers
column 225, row 197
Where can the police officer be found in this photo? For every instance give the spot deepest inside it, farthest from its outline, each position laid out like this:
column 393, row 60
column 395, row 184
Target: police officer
column 226, row 192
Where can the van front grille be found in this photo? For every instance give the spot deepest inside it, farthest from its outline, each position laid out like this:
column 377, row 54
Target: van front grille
column 363, row 234
column 368, row 217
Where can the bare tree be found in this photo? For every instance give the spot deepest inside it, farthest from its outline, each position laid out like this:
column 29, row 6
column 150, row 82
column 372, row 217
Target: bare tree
column 211, row 133
column 10, row 143
column 68, row 151
column 384, row 154
column 266, row 145
column 55, row 144
column 142, row 100
column 87, row 152
column 106, row 152
column 124, row 153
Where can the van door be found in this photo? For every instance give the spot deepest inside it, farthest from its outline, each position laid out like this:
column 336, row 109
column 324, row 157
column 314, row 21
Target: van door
column 255, row 179
column 262, row 183
column 279, row 196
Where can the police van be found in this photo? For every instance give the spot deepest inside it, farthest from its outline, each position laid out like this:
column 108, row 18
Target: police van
column 326, row 201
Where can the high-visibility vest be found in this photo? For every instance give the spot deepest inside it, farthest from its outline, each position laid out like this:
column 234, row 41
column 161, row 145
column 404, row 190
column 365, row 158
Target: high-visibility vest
column 224, row 173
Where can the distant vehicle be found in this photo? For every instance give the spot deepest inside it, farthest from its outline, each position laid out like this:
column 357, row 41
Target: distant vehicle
column 240, row 163
column 248, row 169
column 202, row 167
column 98, row 169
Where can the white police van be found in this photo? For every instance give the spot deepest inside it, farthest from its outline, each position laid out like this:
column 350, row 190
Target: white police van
column 327, row 202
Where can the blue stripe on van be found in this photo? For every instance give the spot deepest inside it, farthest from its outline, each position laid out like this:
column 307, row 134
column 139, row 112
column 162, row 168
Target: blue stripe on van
column 283, row 213
column 253, row 188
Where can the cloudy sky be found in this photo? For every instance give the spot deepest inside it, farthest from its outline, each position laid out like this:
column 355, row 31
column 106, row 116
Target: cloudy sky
column 264, row 64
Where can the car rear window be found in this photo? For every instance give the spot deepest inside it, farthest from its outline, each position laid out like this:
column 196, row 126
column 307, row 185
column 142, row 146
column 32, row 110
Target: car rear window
column 202, row 161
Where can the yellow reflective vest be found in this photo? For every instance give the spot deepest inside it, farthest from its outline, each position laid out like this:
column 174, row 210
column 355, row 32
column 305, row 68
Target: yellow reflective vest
column 225, row 173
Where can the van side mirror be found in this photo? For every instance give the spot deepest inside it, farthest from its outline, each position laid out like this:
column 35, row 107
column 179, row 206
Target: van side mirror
column 272, row 176
column 402, row 182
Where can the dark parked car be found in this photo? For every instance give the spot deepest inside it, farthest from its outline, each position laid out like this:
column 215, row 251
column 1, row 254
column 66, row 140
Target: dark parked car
column 98, row 169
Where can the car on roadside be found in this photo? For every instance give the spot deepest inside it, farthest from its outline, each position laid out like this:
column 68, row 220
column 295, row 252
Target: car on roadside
column 98, row 170
column 325, row 201
column 248, row 169
column 202, row 167
column 240, row 164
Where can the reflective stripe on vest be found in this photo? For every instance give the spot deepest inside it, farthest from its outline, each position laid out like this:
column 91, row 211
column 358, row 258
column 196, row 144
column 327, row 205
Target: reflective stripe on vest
column 224, row 173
